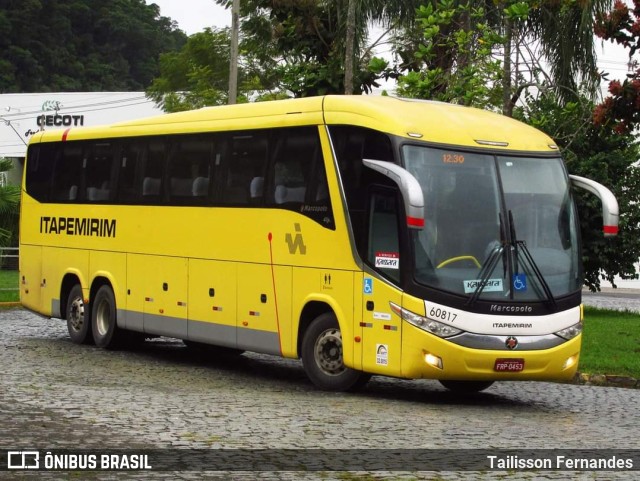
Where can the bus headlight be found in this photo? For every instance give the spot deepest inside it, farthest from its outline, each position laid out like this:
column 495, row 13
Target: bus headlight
column 570, row 332
column 424, row 323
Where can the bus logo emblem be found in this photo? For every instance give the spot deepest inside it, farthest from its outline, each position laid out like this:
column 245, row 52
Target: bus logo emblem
column 511, row 342
column 296, row 243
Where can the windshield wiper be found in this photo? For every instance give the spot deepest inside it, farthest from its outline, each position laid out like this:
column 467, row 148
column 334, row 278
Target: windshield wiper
column 520, row 245
column 489, row 265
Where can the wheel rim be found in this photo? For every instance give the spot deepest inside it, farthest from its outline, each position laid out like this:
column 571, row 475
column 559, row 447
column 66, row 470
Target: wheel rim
column 328, row 352
column 76, row 314
column 103, row 317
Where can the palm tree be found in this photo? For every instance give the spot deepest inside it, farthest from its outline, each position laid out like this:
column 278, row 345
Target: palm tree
column 9, row 206
column 360, row 13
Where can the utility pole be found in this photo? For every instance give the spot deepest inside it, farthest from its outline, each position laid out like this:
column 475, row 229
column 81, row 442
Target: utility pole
column 233, row 65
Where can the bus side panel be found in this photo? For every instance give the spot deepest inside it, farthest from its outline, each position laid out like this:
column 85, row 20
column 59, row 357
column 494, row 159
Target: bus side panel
column 161, row 283
column 212, row 302
column 333, row 288
column 30, row 276
column 56, row 262
column 112, row 266
column 258, row 320
column 382, row 329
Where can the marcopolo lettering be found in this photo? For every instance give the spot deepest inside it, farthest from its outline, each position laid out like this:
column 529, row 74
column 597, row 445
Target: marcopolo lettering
column 83, row 226
column 58, row 120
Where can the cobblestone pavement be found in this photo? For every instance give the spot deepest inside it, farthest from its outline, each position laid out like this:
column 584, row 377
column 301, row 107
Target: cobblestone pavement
column 57, row 395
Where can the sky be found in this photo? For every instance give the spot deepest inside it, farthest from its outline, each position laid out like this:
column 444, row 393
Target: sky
column 194, row 16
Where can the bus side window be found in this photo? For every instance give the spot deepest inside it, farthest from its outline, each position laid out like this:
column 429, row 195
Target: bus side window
column 383, row 246
column 246, row 162
column 98, row 172
column 190, row 170
column 130, row 160
column 153, row 172
column 40, row 160
column 67, row 174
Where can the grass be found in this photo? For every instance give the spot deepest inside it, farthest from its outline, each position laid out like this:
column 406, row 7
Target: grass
column 9, row 280
column 610, row 343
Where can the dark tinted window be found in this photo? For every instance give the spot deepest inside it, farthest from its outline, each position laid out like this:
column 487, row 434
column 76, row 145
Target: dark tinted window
column 99, row 167
column 191, row 170
column 244, row 169
column 153, row 171
column 40, row 161
column 67, row 175
column 131, row 159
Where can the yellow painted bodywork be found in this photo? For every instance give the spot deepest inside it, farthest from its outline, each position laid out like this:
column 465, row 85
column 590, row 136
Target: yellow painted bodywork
column 233, row 268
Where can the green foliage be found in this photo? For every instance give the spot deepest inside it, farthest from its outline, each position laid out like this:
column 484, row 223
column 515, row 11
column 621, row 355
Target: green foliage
column 9, row 209
column 455, row 56
column 608, row 157
column 195, row 76
column 82, row 45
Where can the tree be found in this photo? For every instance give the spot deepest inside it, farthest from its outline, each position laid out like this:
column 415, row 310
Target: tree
column 195, row 76
column 609, row 157
column 621, row 109
column 9, row 208
column 455, row 36
column 82, row 45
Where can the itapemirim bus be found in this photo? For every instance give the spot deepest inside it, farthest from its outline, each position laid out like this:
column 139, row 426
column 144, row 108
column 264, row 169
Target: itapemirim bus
column 365, row 235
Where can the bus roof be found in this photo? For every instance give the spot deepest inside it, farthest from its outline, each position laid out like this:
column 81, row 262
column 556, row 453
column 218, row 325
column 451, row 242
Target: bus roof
column 435, row 122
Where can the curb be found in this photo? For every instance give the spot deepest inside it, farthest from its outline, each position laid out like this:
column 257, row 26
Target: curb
column 608, row 380
column 10, row 304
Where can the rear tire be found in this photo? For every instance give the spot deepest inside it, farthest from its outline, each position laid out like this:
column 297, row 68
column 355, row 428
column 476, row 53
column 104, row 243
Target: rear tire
column 466, row 386
column 77, row 316
column 104, row 319
column 322, row 357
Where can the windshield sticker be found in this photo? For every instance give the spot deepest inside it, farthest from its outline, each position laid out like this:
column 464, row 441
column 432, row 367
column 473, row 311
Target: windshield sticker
column 382, row 354
column 490, row 285
column 519, row 282
column 388, row 260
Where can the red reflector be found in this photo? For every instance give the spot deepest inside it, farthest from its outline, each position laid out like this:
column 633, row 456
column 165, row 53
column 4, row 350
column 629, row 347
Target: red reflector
column 415, row 221
column 509, row 365
column 610, row 229
column 65, row 134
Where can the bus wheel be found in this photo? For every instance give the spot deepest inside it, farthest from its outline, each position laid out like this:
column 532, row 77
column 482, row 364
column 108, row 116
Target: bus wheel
column 103, row 319
column 466, row 386
column 78, row 324
column 322, row 357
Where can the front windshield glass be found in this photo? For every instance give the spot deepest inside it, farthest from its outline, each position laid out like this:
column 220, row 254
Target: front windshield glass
column 497, row 222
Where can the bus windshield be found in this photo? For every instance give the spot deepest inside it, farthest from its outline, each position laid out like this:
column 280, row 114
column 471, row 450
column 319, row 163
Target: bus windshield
column 497, row 227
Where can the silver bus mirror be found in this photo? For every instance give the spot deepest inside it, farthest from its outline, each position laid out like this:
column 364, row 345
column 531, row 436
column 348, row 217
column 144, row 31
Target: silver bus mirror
column 409, row 186
column 610, row 214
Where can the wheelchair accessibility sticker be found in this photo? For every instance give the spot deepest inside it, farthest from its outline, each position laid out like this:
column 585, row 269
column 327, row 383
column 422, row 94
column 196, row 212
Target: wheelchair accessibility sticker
column 519, row 282
column 368, row 285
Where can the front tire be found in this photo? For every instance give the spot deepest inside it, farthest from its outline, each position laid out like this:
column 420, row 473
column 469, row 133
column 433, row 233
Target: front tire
column 322, row 357
column 104, row 319
column 77, row 316
column 466, row 386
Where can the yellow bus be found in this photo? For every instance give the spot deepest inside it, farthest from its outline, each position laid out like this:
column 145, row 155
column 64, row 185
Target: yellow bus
column 364, row 235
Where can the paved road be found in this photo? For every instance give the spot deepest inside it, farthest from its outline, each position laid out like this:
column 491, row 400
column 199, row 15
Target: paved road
column 55, row 395
column 608, row 298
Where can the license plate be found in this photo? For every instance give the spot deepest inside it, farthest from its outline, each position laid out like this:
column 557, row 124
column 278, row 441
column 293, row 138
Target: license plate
column 509, row 365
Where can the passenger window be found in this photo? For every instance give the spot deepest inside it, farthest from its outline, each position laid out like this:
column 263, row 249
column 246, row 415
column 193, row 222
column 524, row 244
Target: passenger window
column 40, row 160
column 68, row 173
column 190, row 170
column 244, row 169
column 153, row 173
column 131, row 161
column 299, row 178
column 98, row 172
